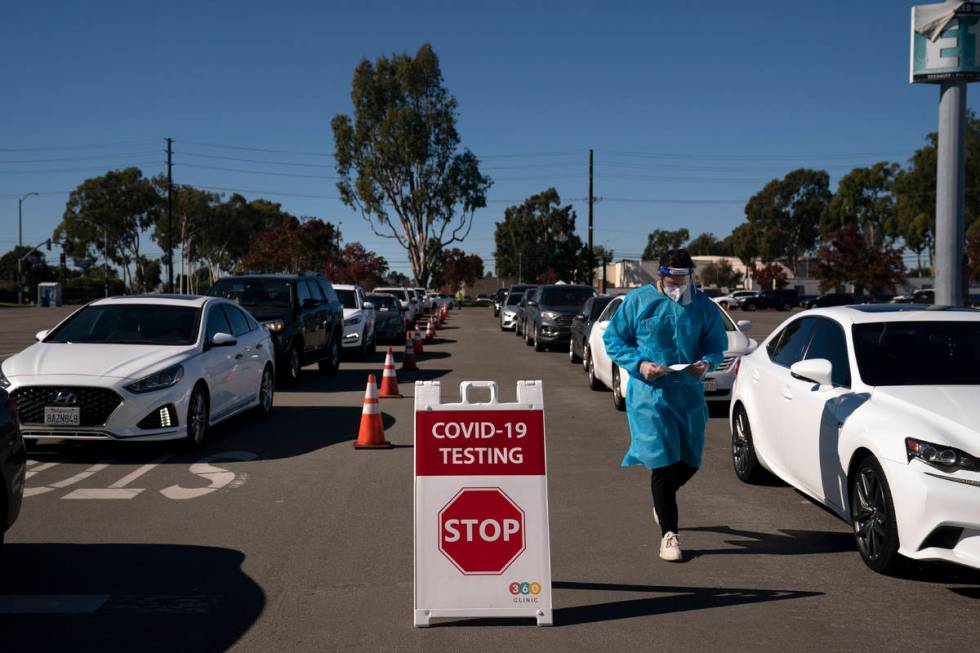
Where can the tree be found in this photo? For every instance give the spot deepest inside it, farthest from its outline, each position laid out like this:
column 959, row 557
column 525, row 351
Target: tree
column 707, row 245
column 399, row 154
column 848, row 256
column 193, row 228
column 973, row 252
column 661, row 240
column 121, row 204
column 539, row 235
column 461, row 269
column 34, row 268
column 864, row 198
column 356, row 264
column 600, row 252
column 296, row 246
column 744, row 242
column 769, row 274
column 786, row 214
column 396, row 279
column 720, row 275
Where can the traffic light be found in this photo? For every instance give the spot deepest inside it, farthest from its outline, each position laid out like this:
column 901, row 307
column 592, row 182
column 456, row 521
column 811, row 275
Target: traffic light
column 48, row 243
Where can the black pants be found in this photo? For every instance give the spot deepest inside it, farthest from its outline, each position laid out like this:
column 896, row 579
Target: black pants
column 664, row 483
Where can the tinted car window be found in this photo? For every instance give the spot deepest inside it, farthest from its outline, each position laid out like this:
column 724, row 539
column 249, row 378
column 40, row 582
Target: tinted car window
column 918, row 353
column 828, row 342
column 130, row 324
column 253, row 292
column 565, row 296
column 239, row 325
column 303, row 292
column 217, row 323
column 348, row 298
column 611, row 310
column 328, row 290
column 514, row 298
column 597, row 306
column 384, row 302
column 787, row 348
column 315, row 291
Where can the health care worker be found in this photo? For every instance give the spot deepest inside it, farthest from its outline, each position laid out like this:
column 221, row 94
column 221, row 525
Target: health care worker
column 660, row 325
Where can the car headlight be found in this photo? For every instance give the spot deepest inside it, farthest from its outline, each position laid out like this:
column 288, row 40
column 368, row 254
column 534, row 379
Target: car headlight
column 351, row 321
column 4, row 381
column 940, row 455
column 158, row 380
column 275, row 326
column 549, row 315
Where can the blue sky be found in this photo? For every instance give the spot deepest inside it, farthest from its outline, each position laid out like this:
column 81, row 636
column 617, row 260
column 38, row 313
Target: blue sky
column 690, row 107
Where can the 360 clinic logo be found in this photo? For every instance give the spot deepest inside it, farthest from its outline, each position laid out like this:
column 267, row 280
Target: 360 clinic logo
column 525, row 592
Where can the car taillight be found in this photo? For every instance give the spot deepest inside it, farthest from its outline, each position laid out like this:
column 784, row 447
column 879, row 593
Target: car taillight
column 11, row 406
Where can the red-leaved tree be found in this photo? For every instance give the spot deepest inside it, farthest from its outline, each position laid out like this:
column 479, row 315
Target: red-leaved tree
column 297, row 246
column 768, row 273
column 355, row 264
column 848, row 256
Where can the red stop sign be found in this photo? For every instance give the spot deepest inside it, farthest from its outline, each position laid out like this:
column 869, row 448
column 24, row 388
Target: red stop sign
column 481, row 531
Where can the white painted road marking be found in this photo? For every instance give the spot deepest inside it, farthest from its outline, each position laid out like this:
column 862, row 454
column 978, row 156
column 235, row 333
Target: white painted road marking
column 39, row 469
column 217, row 476
column 118, row 490
column 51, row 603
column 71, row 480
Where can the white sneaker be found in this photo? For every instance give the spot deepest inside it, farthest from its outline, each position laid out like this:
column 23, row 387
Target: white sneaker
column 656, row 517
column 670, row 548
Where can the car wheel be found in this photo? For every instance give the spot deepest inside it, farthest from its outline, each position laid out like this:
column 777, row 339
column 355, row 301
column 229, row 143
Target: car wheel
column 197, row 418
column 331, row 363
column 538, row 345
column 572, row 356
column 293, row 367
column 787, row 307
column 746, row 463
column 594, row 382
column 373, row 347
column 748, row 307
column 266, row 392
column 618, row 400
column 873, row 517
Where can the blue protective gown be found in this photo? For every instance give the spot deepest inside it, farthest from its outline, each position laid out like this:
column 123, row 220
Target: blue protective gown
column 667, row 416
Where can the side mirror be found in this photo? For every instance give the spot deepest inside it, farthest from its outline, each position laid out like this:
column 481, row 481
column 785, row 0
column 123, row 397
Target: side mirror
column 815, row 370
column 41, row 335
column 223, row 340
column 744, row 325
column 368, row 306
column 532, row 302
column 580, row 316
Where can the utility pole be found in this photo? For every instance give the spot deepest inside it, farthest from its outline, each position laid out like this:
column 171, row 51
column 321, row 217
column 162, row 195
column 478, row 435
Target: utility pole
column 20, row 222
column 950, row 185
column 591, row 202
column 170, row 215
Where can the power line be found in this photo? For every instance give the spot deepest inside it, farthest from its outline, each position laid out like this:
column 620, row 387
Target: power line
column 86, row 169
column 753, row 157
column 86, row 146
column 255, row 149
column 243, row 160
column 78, row 158
column 257, row 172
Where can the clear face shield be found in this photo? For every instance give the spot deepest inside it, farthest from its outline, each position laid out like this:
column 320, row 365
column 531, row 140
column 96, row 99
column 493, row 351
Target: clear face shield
column 677, row 283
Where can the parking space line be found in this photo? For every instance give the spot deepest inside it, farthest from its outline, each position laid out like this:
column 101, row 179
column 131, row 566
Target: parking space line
column 39, row 469
column 80, row 476
column 118, row 490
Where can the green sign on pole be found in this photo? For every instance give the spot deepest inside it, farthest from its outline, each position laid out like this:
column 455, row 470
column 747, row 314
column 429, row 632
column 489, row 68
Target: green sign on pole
column 950, row 50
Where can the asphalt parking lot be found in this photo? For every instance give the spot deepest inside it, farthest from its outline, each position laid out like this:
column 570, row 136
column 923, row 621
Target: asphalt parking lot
column 278, row 535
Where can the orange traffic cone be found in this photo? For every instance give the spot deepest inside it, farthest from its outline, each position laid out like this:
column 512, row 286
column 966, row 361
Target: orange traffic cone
column 408, row 360
column 372, row 432
column 417, row 342
column 389, row 380
column 430, row 330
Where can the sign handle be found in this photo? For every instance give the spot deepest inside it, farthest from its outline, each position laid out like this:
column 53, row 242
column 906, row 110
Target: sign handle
column 466, row 386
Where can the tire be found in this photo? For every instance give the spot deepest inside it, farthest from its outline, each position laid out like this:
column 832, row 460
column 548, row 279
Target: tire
column 786, row 307
column 331, row 363
column 873, row 517
column 294, row 364
column 266, row 393
column 373, row 347
column 197, row 418
column 748, row 307
column 572, row 356
column 594, row 382
column 619, row 401
column 747, row 467
column 538, row 345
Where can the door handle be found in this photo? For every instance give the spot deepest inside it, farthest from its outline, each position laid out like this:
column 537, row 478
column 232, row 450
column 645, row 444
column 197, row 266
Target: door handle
column 258, row 346
column 787, row 393
column 755, row 375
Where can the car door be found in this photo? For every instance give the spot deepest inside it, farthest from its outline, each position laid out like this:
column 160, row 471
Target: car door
column 369, row 316
column 248, row 370
column 773, row 421
column 310, row 315
column 219, row 363
column 603, row 364
column 819, row 415
column 577, row 329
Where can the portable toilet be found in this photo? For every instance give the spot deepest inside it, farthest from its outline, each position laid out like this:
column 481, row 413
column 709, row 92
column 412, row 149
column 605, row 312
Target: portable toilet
column 49, row 293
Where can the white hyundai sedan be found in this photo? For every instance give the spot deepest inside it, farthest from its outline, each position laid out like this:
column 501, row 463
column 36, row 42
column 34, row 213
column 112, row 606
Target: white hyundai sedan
column 359, row 319
column 874, row 411
column 603, row 373
column 154, row 367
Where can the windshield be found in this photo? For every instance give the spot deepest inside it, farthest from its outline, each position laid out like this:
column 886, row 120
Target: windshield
column 726, row 320
column 254, row 292
column 514, row 298
column 400, row 293
column 384, row 302
column 348, row 298
column 565, row 296
column 918, row 353
column 130, row 324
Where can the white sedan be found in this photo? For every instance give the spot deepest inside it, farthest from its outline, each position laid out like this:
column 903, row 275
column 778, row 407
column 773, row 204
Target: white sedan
column 142, row 368
column 603, row 373
column 872, row 411
column 359, row 320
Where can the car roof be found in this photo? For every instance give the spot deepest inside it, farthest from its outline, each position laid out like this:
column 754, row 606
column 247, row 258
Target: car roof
column 345, row 286
column 275, row 275
column 195, row 301
column 864, row 313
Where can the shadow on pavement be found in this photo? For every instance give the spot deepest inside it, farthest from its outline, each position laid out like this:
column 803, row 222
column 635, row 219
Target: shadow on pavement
column 675, row 599
column 789, row 542
column 351, row 379
column 122, row 597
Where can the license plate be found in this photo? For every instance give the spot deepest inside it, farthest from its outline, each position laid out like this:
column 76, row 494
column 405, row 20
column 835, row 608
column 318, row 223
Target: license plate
column 62, row 416
column 710, row 386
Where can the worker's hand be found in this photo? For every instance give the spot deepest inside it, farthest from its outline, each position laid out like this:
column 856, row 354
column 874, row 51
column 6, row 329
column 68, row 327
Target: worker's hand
column 698, row 369
column 651, row 371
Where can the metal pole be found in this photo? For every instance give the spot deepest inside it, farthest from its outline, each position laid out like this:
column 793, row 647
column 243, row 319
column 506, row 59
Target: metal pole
column 20, row 291
column 20, row 223
column 105, row 261
column 950, row 192
column 591, row 202
column 170, row 215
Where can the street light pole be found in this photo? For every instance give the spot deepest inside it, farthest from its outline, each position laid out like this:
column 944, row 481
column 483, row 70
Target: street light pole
column 20, row 221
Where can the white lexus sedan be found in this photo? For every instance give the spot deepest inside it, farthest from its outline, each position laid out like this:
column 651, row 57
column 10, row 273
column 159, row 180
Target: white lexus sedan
column 874, row 412
column 603, row 373
column 154, row 367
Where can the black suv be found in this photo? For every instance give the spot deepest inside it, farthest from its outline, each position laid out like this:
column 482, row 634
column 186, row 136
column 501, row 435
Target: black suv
column 13, row 463
column 548, row 319
column 781, row 300
column 301, row 311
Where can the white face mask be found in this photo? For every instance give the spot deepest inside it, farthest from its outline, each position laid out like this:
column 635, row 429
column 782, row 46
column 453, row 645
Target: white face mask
column 677, row 292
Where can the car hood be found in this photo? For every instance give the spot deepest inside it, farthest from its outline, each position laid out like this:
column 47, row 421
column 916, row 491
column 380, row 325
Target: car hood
column 269, row 314
column 81, row 359
column 954, row 409
column 564, row 310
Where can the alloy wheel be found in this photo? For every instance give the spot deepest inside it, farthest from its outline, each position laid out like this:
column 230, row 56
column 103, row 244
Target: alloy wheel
column 266, row 391
column 741, row 444
column 197, row 419
column 294, row 364
column 870, row 520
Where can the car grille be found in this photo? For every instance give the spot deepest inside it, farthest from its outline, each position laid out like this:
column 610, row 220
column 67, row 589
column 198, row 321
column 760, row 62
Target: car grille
column 96, row 404
column 726, row 363
column 564, row 320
